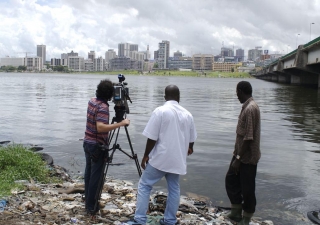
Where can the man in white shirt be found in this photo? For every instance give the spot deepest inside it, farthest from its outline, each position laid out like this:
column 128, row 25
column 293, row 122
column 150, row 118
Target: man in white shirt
column 171, row 134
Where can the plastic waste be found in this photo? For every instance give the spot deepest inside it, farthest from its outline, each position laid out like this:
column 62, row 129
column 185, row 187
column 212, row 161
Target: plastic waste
column 3, row 204
column 73, row 220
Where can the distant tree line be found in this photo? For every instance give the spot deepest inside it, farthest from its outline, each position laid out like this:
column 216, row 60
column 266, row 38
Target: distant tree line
column 12, row 68
column 24, row 68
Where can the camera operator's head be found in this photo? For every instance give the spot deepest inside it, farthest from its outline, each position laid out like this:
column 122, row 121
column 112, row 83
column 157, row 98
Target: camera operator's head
column 105, row 90
column 172, row 93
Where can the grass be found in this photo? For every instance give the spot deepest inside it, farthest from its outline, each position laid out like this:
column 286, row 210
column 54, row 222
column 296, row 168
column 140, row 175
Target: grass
column 18, row 163
column 210, row 74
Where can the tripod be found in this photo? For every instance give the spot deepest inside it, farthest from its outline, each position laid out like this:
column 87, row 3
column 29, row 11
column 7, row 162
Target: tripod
column 120, row 114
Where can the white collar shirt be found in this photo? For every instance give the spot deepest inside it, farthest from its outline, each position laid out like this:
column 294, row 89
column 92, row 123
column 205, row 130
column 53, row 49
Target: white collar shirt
column 172, row 127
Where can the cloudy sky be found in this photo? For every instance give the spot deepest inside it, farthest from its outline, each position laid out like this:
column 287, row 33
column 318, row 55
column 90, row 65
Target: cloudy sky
column 191, row 26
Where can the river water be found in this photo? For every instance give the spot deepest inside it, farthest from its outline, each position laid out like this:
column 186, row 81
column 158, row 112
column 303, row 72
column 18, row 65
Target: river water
column 49, row 110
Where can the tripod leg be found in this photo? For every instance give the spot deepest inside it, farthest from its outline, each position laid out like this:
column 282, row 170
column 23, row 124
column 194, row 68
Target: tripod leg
column 132, row 152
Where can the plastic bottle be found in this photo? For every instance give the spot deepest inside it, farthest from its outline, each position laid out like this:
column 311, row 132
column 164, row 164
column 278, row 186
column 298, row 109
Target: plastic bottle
column 2, row 205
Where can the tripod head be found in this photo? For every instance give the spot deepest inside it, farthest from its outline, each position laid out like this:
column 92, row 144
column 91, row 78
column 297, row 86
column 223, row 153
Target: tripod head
column 120, row 111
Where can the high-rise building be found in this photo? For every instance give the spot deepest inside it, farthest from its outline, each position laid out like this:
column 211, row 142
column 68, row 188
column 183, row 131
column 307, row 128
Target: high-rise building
column 41, row 52
column 91, row 55
column 226, row 52
column 156, row 55
column 240, row 54
column 164, row 53
column 254, row 54
column 123, row 49
column 98, row 64
column 110, row 54
column 134, row 47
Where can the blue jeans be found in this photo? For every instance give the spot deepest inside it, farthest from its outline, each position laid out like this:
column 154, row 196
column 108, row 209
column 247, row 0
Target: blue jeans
column 92, row 175
column 149, row 177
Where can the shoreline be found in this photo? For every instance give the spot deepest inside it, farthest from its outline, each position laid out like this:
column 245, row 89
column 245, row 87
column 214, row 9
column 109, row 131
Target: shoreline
column 63, row 203
column 173, row 73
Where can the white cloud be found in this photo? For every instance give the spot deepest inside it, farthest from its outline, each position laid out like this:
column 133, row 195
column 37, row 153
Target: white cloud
column 190, row 26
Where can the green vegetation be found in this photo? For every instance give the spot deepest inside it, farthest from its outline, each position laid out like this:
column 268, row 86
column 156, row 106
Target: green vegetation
column 60, row 68
column 202, row 74
column 23, row 68
column 115, row 72
column 8, row 68
column 179, row 73
column 18, row 163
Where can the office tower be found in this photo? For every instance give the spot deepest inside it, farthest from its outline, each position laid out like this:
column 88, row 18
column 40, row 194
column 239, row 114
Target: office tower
column 254, row 54
column 110, row 54
column 123, row 49
column 98, row 64
column 164, row 52
column 134, row 47
column 226, row 52
column 91, row 55
column 41, row 52
column 240, row 54
column 156, row 55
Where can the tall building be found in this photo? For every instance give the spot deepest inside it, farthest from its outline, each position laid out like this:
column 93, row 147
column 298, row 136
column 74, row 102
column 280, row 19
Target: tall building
column 91, row 55
column 156, row 55
column 98, row 64
column 163, row 54
column 226, row 52
column 254, row 54
column 123, row 49
column 110, row 54
column 240, row 54
column 41, row 52
column 133, row 47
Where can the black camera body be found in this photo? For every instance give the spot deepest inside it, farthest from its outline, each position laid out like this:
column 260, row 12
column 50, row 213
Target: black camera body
column 120, row 97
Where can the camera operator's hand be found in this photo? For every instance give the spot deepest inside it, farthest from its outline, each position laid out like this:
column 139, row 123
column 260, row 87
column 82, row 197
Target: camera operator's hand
column 125, row 122
column 144, row 161
column 236, row 166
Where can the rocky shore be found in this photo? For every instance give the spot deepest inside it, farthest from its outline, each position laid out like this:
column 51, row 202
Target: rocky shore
column 63, row 204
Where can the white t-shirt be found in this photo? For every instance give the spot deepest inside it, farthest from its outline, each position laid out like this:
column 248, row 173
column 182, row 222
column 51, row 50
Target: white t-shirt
column 173, row 128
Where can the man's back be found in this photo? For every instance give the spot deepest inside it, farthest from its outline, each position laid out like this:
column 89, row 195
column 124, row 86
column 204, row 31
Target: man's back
column 173, row 128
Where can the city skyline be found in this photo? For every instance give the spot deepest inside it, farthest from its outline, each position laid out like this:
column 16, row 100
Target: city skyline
column 191, row 27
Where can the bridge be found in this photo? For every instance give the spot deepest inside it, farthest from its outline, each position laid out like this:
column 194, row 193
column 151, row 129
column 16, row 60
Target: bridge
column 299, row 67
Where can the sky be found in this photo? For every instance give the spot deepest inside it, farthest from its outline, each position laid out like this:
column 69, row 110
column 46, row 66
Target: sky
column 191, row 26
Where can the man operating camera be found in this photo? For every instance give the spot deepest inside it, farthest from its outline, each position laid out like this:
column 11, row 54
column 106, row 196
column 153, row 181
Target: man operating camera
column 96, row 140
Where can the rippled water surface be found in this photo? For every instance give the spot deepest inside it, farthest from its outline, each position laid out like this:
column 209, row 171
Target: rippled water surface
column 50, row 110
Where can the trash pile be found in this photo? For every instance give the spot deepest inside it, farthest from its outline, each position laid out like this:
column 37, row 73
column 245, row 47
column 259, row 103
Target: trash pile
column 64, row 204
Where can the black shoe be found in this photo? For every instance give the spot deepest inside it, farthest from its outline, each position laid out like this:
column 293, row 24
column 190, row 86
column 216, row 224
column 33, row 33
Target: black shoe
column 163, row 223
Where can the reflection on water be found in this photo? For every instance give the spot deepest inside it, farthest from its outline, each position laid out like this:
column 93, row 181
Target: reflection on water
column 50, row 110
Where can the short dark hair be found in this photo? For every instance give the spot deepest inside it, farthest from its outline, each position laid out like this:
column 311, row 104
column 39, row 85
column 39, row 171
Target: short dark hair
column 105, row 89
column 245, row 87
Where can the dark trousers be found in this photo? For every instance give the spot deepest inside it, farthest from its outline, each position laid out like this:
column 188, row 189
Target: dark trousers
column 241, row 187
column 92, row 175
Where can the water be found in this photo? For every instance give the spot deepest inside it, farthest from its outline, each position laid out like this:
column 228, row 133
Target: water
column 49, row 110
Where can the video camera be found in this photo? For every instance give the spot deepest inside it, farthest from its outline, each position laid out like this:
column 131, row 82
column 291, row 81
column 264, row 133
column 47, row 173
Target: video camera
column 120, row 97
